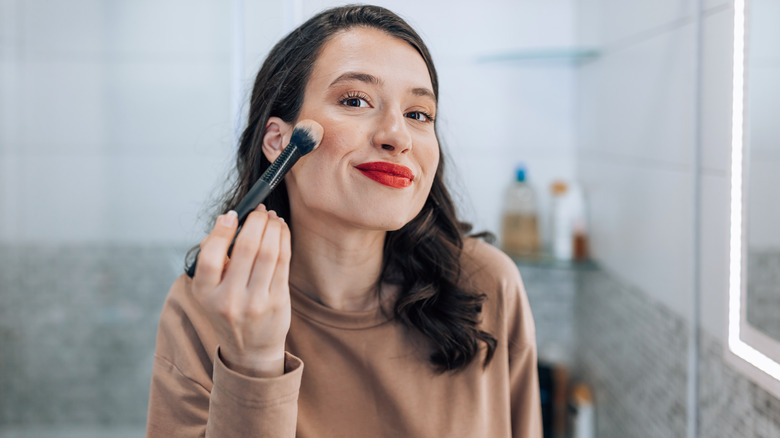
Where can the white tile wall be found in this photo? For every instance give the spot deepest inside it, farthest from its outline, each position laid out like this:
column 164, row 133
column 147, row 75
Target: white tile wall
column 714, row 252
column 718, row 33
column 615, row 22
column 763, row 203
column 182, row 28
column 116, row 119
column 502, row 116
column 9, row 119
column 167, row 108
column 61, row 197
column 459, row 29
column 763, row 144
column 636, row 133
column 763, row 32
column 161, row 200
column 259, row 39
column 61, row 106
column 8, row 15
column 9, row 195
column 639, row 102
column 763, row 106
column 642, row 225
column 110, row 198
column 144, row 28
column 716, row 98
column 71, row 29
column 717, row 4
column 9, row 42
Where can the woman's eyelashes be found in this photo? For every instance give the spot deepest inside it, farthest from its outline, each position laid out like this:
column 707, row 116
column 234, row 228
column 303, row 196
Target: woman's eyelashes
column 357, row 99
column 420, row 116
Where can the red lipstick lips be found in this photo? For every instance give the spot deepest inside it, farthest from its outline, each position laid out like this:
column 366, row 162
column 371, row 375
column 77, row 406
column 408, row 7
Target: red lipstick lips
column 389, row 174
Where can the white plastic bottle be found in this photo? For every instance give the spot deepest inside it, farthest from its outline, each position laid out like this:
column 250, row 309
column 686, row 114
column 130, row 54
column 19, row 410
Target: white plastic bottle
column 568, row 227
column 583, row 412
column 519, row 224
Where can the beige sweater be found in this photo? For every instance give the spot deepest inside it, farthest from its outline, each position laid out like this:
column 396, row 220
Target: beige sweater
column 365, row 375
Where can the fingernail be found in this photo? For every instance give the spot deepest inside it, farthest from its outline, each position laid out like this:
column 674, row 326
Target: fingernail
column 261, row 207
column 273, row 214
column 228, row 219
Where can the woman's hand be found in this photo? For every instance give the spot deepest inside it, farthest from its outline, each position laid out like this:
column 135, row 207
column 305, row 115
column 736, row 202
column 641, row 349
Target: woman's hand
column 247, row 298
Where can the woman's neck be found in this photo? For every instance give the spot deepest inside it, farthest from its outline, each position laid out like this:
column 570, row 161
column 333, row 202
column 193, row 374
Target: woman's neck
column 339, row 268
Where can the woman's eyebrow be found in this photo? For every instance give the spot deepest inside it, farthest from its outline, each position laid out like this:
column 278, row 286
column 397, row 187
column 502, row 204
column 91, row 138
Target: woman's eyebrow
column 356, row 76
column 424, row 92
column 373, row 80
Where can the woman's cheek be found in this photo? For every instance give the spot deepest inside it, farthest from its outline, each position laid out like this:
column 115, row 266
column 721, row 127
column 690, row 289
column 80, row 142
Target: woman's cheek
column 338, row 137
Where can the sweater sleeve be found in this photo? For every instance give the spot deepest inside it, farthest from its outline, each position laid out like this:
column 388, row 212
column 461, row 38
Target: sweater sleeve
column 193, row 393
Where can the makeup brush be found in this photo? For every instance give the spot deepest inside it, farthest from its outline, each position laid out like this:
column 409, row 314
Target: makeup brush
column 305, row 138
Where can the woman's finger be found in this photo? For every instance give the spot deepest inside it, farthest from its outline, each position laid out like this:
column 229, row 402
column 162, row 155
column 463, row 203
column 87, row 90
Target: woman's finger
column 245, row 248
column 281, row 277
column 267, row 255
column 213, row 250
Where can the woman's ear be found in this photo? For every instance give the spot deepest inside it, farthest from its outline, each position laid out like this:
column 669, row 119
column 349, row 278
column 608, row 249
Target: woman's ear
column 276, row 137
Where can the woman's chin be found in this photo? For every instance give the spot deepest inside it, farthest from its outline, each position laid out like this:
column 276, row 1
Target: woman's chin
column 383, row 224
column 380, row 219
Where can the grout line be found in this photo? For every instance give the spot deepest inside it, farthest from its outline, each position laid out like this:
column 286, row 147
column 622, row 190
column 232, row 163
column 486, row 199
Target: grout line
column 648, row 34
column 40, row 56
column 645, row 35
column 711, row 171
column 695, row 316
column 618, row 158
column 717, row 9
column 237, row 70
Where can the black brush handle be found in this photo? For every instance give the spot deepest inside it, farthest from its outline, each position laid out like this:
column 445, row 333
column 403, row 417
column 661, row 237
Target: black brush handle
column 257, row 194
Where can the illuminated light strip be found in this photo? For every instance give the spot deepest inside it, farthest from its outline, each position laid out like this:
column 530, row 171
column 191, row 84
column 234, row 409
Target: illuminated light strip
column 736, row 345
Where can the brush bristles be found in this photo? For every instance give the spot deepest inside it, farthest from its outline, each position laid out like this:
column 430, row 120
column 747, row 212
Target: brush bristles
column 306, row 136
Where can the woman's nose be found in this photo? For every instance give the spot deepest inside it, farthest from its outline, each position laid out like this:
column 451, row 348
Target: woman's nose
column 392, row 134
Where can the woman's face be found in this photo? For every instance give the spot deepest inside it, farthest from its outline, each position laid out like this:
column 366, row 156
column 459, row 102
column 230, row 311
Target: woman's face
column 372, row 94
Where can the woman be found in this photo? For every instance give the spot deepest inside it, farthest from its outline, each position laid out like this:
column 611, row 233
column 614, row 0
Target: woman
column 358, row 268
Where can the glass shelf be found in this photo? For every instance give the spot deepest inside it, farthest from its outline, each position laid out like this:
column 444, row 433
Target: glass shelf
column 573, row 54
column 548, row 261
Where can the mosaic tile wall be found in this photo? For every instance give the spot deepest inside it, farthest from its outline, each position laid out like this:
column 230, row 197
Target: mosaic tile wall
column 729, row 405
column 763, row 291
column 633, row 353
column 77, row 328
column 551, row 292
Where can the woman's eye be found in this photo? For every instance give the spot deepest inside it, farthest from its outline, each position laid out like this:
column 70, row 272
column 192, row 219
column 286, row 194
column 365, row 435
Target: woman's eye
column 419, row 116
column 355, row 101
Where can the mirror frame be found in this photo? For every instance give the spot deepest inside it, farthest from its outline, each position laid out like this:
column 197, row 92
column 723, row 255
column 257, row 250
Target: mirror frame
column 754, row 353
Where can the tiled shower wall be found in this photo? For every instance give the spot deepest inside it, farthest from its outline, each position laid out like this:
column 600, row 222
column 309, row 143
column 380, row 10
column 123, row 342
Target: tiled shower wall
column 77, row 330
column 763, row 290
column 632, row 351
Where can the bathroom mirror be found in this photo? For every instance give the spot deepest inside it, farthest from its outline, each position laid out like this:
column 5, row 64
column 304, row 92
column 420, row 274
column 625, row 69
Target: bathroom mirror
column 754, row 287
column 763, row 164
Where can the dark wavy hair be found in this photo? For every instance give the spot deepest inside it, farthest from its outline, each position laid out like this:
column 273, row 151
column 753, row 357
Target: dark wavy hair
column 423, row 257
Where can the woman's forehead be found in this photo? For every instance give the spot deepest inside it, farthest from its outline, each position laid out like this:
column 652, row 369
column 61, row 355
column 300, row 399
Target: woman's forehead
column 373, row 52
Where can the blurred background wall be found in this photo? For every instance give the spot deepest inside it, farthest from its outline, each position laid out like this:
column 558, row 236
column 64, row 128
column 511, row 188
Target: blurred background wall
column 118, row 122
